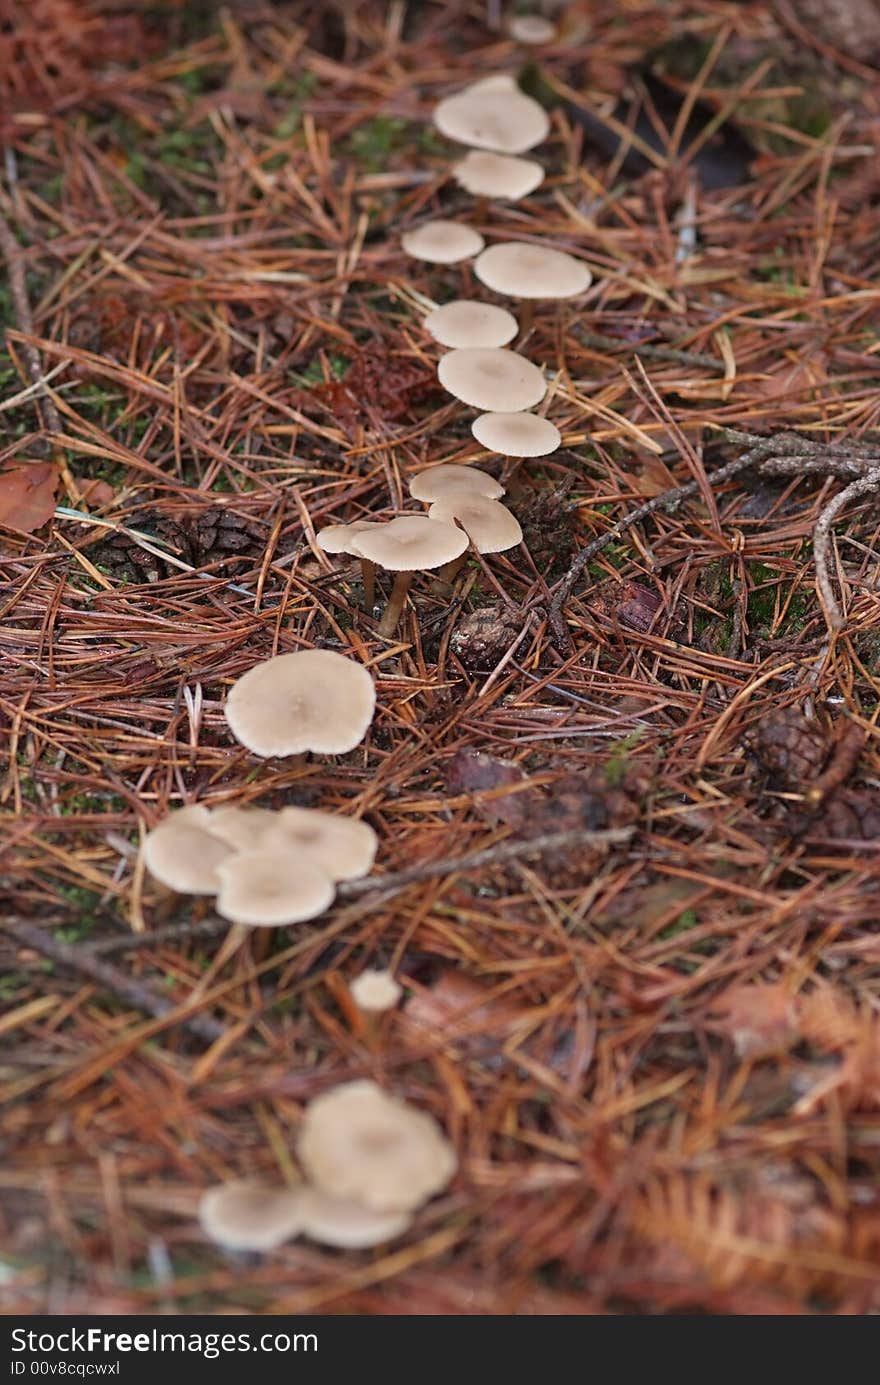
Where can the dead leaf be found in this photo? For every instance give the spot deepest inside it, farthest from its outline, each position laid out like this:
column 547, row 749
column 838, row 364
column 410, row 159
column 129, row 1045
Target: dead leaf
column 758, row 1019
column 27, row 496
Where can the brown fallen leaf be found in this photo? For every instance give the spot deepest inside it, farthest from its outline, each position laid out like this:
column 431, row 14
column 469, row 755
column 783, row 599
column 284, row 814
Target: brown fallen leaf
column 463, row 1012
column 759, row 1019
column 27, row 495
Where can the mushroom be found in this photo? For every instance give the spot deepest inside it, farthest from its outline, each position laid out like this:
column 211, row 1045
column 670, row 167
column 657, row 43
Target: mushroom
column 183, row 854
column 344, row 848
column 272, row 887
column 344, row 1223
column 313, row 700
column 438, row 481
column 516, row 435
column 358, row 1142
column 521, row 270
column 496, row 380
column 243, row 829
column 442, row 242
column 375, row 991
column 467, row 323
column 531, row 28
column 337, row 538
column 242, row 1215
column 407, row 545
column 488, row 524
column 484, row 174
column 493, row 114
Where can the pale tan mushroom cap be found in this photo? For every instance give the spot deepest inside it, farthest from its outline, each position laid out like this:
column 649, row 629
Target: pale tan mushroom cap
column 465, row 322
column 447, row 479
column 500, row 381
column 489, row 525
column 442, row 242
column 341, row 1222
column 376, row 991
column 245, row 1216
column 272, row 887
column 183, row 854
column 336, row 538
column 493, row 114
column 516, row 435
column 359, row 1143
column 412, row 543
column 521, row 270
column 484, row 174
column 312, row 700
column 344, row 848
column 531, row 28
column 243, row 829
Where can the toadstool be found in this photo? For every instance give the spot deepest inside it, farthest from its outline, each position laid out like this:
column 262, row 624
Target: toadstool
column 337, row 538
column 358, row 1142
column 496, row 380
column 484, row 174
column 464, row 322
column 313, row 700
column 344, row 848
column 182, row 853
column 442, row 242
column 272, row 887
column 407, row 545
column 344, row 1223
column 489, row 525
column 375, row 991
column 437, row 481
column 243, row 1215
column 493, row 114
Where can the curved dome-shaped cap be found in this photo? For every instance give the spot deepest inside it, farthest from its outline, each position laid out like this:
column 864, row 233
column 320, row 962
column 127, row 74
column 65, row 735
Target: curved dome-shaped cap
column 488, row 524
column 344, row 848
column 375, row 991
column 521, row 270
column 342, row 1222
column 531, row 28
column 484, row 174
column 243, row 829
column 412, row 543
column 312, row 700
column 442, row 242
column 517, row 435
column 447, row 478
column 182, row 853
column 336, row 538
column 272, row 887
column 493, row 114
column 500, row 381
column 465, row 322
column 358, row 1142
column 245, row 1216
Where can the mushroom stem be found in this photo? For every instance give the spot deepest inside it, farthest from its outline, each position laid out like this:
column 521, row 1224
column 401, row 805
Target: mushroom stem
column 526, row 318
column 368, row 575
column 451, row 570
column 513, row 478
column 394, row 609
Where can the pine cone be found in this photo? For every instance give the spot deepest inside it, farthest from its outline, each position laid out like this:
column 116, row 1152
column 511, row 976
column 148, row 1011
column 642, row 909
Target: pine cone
column 790, row 748
column 197, row 539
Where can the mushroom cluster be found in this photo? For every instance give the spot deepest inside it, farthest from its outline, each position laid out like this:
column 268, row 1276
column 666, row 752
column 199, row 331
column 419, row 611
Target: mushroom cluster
column 369, row 1159
column 267, row 869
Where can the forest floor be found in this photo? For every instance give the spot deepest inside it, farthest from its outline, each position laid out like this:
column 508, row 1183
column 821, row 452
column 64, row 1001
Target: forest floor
column 659, row 1058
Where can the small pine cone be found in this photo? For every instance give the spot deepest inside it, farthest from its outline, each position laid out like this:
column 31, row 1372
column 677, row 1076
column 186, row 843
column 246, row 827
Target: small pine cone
column 790, row 748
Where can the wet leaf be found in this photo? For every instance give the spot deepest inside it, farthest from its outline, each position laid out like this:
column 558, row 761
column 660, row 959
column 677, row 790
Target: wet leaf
column 27, row 496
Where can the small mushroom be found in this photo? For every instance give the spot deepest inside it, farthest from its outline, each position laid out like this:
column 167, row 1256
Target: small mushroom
column 272, row 887
column 531, row 28
column 313, row 700
column 467, row 323
column 243, row 1215
column 442, row 242
column 498, row 380
column 182, row 852
column 493, row 114
column 522, row 270
column 344, row 1223
column 528, row 272
column 375, row 991
column 407, row 545
column 344, row 848
column 488, row 524
column 358, row 1142
column 517, row 435
column 337, row 538
column 439, row 481
column 484, row 174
